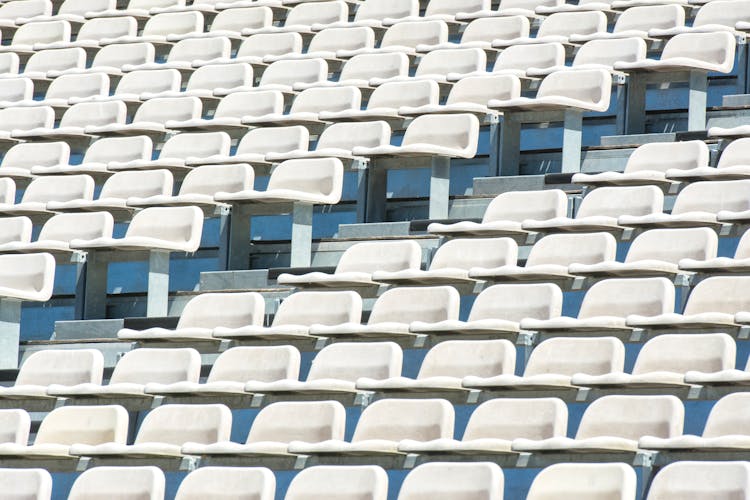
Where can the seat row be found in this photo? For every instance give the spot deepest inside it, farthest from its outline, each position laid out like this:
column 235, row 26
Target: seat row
column 504, row 426
column 480, row 481
column 452, row 367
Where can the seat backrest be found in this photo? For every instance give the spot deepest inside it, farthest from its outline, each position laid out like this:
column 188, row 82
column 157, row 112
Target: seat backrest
column 200, row 49
column 348, row 135
column 610, row 51
column 42, row 32
column 315, row 176
column 662, row 156
column 256, row 363
column 377, row 10
column 150, row 80
column 230, row 310
column 442, row 62
column 724, row 13
column 371, row 256
column 274, row 139
column 393, row 95
column 141, row 183
column 161, row 366
column 590, row 481
column 366, row 66
column 128, row 483
column 60, row 366
column 56, row 59
column 25, row 8
column 737, row 152
column 592, row 87
column 239, row 104
column 404, row 305
column 235, row 20
column 514, row 302
column 487, row 29
column 84, row 425
column 121, row 149
column 15, row 425
column 240, row 483
column 177, row 424
column 482, row 89
column 352, row 360
column 454, row 481
column 150, row 4
column 632, row 417
column 720, row 294
column 94, row 113
column 621, row 200
column 565, row 249
column 352, row 482
column 475, row 252
column 568, row 356
column 15, row 229
column 729, row 416
column 535, row 55
column 672, row 245
column 518, row 206
column 177, row 225
column 177, row 23
column 81, row 7
column 461, row 358
column 198, row 144
column 221, row 76
column 308, row 421
column 28, row 277
column 717, row 48
column 689, row 479
column 680, row 353
column 160, row 110
column 270, row 44
column 713, row 196
column 26, row 484
column 622, row 297
column 410, row 34
column 74, row 226
column 307, row 14
column 26, row 118
column 452, row 7
column 646, row 17
column 458, row 132
column 509, row 418
column 324, row 308
column 33, row 154
column 10, row 63
column 333, row 39
column 398, row 419
column 120, row 54
column 85, row 85
column 107, row 27
column 211, row 179
column 743, row 247
column 569, row 23
column 317, row 99
column 16, row 89
column 289, row 72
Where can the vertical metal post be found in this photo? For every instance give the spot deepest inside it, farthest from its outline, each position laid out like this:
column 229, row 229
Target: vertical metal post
column 10, row 332
column 301, row 251
column 79, row 301
column 440, row 178
column 239, row 237
column 636, row 104
column 157, row 297
column 225, row 216
column 509, row 143
column 362, row 174
column 697, row 103
column 572, row 141
column 95, row 298
column 377, row 192
column 493, row 167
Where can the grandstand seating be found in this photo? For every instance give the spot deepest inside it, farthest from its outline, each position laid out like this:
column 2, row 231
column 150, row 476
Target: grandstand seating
column 374, row 249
